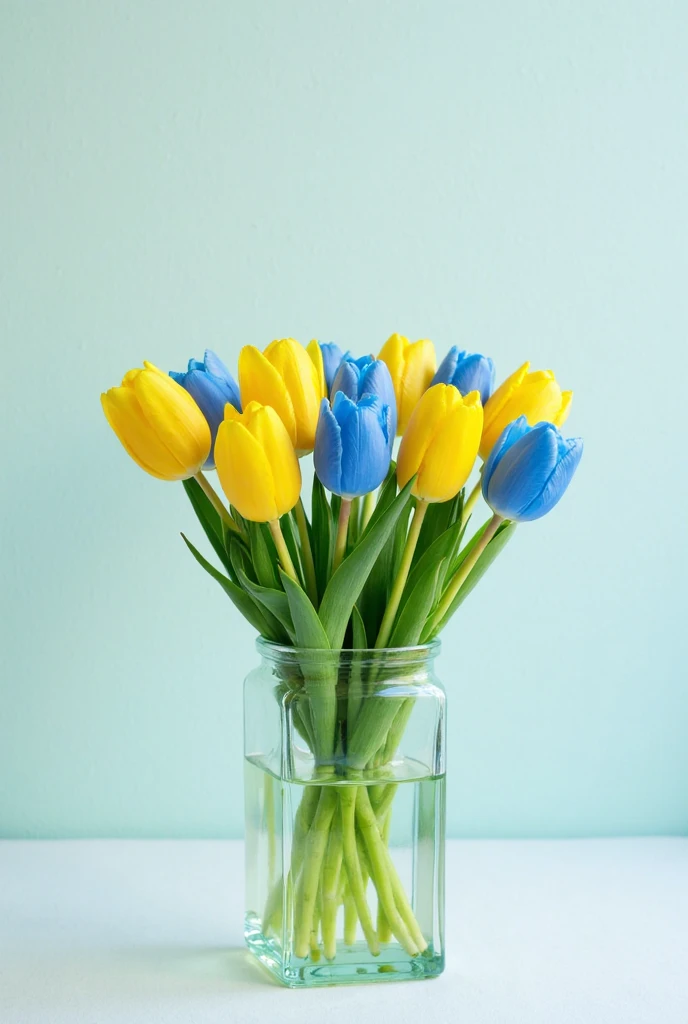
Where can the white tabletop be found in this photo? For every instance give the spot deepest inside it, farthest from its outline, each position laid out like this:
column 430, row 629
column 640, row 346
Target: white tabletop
column 97, row 932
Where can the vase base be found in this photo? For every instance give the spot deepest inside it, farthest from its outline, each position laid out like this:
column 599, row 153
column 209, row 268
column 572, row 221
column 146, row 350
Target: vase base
column 353, row 965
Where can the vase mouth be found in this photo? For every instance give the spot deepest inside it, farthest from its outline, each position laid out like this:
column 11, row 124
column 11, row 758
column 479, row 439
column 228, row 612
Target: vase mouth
column 381, row 655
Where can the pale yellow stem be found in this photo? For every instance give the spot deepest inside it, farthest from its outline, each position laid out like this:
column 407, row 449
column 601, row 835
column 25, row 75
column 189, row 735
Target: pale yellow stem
column 215, row 500
column 283, row 550
column 463, row 572
column 342, row 531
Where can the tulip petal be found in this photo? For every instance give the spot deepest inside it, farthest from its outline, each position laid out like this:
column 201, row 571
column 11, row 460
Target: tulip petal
column 327, row 454
column 565, row 409
column 509, row 436
column 259, row 381
column 447, row 368
column 422, row 427
column 557, row 482
column 453, row 450
column 214, row 366
column 346, row 380
column 494, row 422
column 244, row 472
column 146, row 449
column 315, row 354
column 285, row 473
column 174, row 417
column 303, row 385
column 522, row 471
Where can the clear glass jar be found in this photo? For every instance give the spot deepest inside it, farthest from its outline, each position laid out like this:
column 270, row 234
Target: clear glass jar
column 345, row 814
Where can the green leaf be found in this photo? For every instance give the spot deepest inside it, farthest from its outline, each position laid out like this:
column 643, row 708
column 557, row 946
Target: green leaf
column 290, row 533
column 441, row 549
column 209, row 520
column 500, row 539
column 373, row 597
column 264, row 563
column 308, row 628
column 355, row 687
column 275, row 602
column 360, row 640
column 322, row 533
column 346, row 584
column 239, row 597
column 386, row 496
column 411, row 621
column 438, row 519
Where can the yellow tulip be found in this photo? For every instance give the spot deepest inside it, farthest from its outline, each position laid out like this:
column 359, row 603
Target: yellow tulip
column 286, row 378
column 412, row 366
column 536, row 395
column 256, row 463
column 158, row 423
column 441, row 442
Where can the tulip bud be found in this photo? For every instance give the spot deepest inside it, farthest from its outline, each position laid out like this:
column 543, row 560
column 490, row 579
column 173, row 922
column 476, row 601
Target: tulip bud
column 412, row 366
column 352, row 445
column 536, row 395
column 367, row 376
column 467, row 371
column 211, row 386
column 158, row 423
column 440, row 444
column 528, row 470
column 285, row 378
column 256, row 463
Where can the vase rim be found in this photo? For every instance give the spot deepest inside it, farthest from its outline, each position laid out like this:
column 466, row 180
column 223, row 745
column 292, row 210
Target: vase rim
column 421, row 651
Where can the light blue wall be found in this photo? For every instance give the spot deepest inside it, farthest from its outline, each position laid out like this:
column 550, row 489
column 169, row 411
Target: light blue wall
column 507, row 176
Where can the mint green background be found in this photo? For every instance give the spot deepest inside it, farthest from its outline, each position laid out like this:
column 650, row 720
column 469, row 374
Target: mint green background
column 510, row 177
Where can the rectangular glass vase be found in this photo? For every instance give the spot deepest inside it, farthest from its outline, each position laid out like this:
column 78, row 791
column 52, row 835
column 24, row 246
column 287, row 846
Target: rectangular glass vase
column 345, row 815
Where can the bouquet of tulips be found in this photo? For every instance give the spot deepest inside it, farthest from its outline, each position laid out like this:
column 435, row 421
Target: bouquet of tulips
column 384, row 560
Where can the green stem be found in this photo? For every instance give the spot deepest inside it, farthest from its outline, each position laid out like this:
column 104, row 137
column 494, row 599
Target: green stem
column 342, row 530
column 380, row 872
column 332, row 867
column 283, row 550
column 384, row 932
column 307, row 553
column 462, row 574
column 307, row 888
column 400, row 581
column 368, row 509
column 348, row 798
column 469, row 504
column 217, row 503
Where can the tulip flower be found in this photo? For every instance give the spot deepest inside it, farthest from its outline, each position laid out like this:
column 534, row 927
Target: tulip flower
column 256, row 463
column 367, row 376
column 412, row 366
column 536, row 395
column 352, row 445
column 158, row 423
column 467, row 371
column 528, row 470
column 332, row 356
column 439, row 448
column 441, row 441
column 285, row 378
column 211, row 386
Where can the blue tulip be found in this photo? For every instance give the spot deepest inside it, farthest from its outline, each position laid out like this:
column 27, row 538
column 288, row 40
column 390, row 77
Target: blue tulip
column 367, row 376
column 467, row 371
column 332, row 356
column 529, row 469
column 352, row 449
column 211, row 386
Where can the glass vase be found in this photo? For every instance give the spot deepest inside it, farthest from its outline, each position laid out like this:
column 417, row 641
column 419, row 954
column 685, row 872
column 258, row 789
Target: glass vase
column 345, row 814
